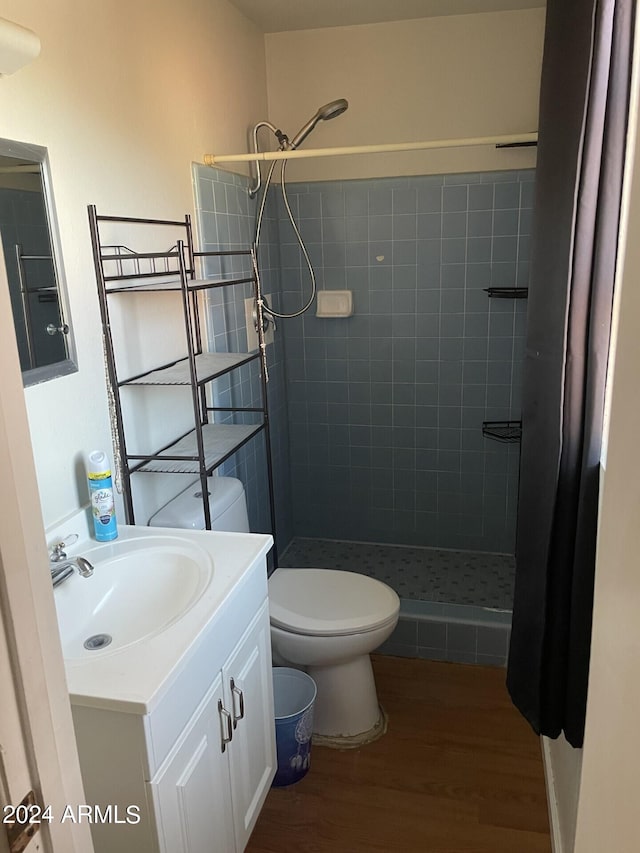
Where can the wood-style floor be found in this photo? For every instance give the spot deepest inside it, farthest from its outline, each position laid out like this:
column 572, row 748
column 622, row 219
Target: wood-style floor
column 458, row 771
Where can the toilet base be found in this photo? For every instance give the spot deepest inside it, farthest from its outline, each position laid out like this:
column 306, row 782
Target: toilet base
column 346, row 705
column 355, row 741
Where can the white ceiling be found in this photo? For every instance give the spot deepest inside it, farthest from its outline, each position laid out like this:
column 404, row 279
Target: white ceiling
column 274, row 16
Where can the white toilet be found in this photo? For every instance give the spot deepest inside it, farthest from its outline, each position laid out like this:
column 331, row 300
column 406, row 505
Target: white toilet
column 227, row 505
column 328, row 622
column 322, row 620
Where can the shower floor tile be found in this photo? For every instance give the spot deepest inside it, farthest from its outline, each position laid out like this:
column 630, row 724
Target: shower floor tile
column 424, row 574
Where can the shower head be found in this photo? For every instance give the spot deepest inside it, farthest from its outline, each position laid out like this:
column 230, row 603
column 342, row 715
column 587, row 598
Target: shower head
column 330, row 110
column 333, row 109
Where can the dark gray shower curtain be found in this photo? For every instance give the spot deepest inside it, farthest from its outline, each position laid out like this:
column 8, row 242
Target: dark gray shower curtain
column 583, row 121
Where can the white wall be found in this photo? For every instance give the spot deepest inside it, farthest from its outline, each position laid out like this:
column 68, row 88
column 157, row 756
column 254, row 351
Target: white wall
column 125, row 95
column 563, row 764
column 433, row 78
column 609, row 800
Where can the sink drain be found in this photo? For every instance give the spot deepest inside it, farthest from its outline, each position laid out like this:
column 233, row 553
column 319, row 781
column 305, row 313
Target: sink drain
column 98, row 641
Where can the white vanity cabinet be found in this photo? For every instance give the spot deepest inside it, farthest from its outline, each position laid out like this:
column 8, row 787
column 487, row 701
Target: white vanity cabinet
column 192, row 792
column 199, row 762
column 210, row 788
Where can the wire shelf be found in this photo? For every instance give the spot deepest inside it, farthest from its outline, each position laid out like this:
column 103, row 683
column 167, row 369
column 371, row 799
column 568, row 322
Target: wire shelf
column 209, row 366
column 507, row 292
column 507, row 432
column 220, row 442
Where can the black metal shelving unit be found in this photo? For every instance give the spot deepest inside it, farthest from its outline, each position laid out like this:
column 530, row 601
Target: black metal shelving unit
column 121, row 270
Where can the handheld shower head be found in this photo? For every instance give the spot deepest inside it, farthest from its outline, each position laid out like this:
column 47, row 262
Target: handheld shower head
column 326, row 112
column 333, row 109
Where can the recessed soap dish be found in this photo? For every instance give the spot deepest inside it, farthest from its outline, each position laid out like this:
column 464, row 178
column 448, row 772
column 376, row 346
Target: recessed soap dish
column 334, row 303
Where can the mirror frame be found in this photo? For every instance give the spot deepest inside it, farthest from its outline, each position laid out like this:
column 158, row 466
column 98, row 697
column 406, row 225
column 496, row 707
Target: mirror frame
column 38, row 154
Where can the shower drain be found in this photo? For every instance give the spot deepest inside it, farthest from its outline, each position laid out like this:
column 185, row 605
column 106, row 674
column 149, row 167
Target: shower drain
column 98, row 641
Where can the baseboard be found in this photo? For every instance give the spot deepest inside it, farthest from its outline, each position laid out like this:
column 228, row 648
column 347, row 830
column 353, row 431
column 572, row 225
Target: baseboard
column 552, row 801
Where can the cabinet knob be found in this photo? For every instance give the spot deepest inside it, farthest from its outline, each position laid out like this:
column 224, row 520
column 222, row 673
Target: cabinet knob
column 225, row 721
column 236, row 691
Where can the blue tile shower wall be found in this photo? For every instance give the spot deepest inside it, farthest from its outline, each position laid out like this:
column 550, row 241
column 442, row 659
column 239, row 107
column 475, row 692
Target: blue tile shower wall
column 386, row 407
column 226, row 218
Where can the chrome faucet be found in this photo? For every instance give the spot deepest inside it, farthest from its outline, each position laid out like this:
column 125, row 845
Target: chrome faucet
column 62, row 567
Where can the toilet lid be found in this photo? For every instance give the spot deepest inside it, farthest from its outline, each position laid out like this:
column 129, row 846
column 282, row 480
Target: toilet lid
column 328, row 602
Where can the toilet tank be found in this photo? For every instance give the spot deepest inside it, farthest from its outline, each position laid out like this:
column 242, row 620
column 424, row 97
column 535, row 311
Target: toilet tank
column 227, row 504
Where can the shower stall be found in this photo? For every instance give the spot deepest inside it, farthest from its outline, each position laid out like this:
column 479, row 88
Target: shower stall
column 381, row 462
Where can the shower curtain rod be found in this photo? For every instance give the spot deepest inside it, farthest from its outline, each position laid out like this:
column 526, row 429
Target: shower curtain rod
column 520, row 139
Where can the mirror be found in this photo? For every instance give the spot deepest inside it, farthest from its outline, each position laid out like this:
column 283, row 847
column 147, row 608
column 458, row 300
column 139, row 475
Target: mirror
column 33, row 260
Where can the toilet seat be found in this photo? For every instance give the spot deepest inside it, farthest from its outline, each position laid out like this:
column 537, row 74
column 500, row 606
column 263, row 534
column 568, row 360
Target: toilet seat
column 329, row 602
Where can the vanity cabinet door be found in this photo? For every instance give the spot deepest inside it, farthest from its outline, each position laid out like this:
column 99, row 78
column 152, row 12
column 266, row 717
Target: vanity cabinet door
column 249, row 695
column 191, row 790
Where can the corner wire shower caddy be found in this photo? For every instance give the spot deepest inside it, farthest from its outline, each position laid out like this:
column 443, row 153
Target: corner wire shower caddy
column 202, row 449
column 506, row 432
column 507, row 292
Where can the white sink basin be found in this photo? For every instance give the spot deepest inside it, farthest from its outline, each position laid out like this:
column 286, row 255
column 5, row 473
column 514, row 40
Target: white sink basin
column 138, row 589
column 158, row 593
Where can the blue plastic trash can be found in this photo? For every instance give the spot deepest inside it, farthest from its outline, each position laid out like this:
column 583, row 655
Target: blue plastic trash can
column 294, row 693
